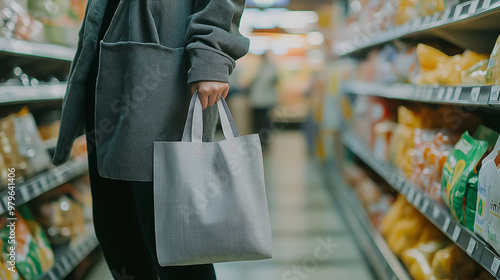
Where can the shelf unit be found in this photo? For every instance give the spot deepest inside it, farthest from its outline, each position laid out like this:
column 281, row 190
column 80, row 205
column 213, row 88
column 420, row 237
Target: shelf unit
column 386, row 264
column 459, row 95
column 44, row 182
column 45, row 60
column 22, row 94
column 68, row 257
column 479, row 12
column 475, row 247
column 33, row 49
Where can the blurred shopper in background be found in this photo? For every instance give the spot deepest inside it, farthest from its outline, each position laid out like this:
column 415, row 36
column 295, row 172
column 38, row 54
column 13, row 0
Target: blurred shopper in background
column 314, row 95
column 263, row 97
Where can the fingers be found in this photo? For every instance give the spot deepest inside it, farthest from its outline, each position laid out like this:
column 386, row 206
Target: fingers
column 204, row 100
column 210, row 92
column 212, row 98
column 226, row 91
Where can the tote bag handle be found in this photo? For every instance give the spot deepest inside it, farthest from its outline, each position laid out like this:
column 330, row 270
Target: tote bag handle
column 193, row 129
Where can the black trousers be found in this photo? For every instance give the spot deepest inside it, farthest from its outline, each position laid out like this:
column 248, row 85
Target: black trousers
column 123, row 210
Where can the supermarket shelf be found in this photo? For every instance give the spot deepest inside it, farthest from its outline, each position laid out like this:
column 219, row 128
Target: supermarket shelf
column 464, row 95
column 68, row 258
column 22, row 94
column 44, row 182
column 475, row 247
column 475, row 13
column 34, row 49
column 384, row 263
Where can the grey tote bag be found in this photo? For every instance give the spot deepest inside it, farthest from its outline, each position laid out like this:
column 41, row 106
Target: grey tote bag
column 209, row 197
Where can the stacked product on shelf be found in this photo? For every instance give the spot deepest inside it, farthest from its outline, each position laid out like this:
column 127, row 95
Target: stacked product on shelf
column 21, row 147
column 47, row 21
column 453, row 159
column 427, row 65
column 53, row 204
column 424, row 250
column 64, row 212
column 437, row 68
column 420, row 144
column 368, row 17
column 54, row 220
column 402, row 60
column 370, row 193
column 34, row 255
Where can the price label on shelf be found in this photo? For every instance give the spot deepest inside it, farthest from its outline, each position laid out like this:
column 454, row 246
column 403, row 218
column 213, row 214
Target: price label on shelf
column 494, row 93
column 474, row 94
column 44, row 185
column 36, row 187
column 440, row 94
column 426, row 20
column 398, row 184
column 449, row 94
column 411, row 193
column 416, row 23
column 495, row 265
column 425, row 205
column 435, row 17
column 486, row 4
column 418, row 92
column 458, row 11
column 24, row 192
column 65, row 263
column 446, row 223
column 456, row 233
column 472, row 246
column 392, row 179
column 428, row 97
column 446, row 14
column 72, row 258
column 404, row 190
column 417, row 200
column 456, row 94
column 436, row 212
column 473, row 7
column 58, row 175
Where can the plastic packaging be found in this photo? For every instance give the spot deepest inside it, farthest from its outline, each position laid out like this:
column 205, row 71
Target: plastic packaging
column 493, row 71
column 476, row 74
column 9, row 147
column 438, row 68
column 485, row 182
column 418, row 259
column 30, row 143
column 459, row 179
column 494, row 213
column 453, row 263
column 33, row 253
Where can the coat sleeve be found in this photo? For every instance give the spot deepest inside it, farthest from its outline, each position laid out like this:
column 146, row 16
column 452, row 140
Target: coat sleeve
column 213, row 39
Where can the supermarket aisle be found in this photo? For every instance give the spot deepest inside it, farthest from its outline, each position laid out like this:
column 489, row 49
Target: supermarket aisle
column 310, row 239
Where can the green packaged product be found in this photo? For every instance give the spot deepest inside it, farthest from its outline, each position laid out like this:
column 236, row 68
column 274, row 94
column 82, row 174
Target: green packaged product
column 459, row 179
column 486, row 134
column 33, row 255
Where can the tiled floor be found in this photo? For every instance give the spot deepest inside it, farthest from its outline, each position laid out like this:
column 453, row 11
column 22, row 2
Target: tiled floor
column 310, row 240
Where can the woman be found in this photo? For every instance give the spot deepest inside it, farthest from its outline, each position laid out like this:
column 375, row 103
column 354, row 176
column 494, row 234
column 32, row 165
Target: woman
column 129, row 84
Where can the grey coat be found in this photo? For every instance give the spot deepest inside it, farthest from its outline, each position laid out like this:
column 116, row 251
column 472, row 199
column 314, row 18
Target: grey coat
column 153, row 49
